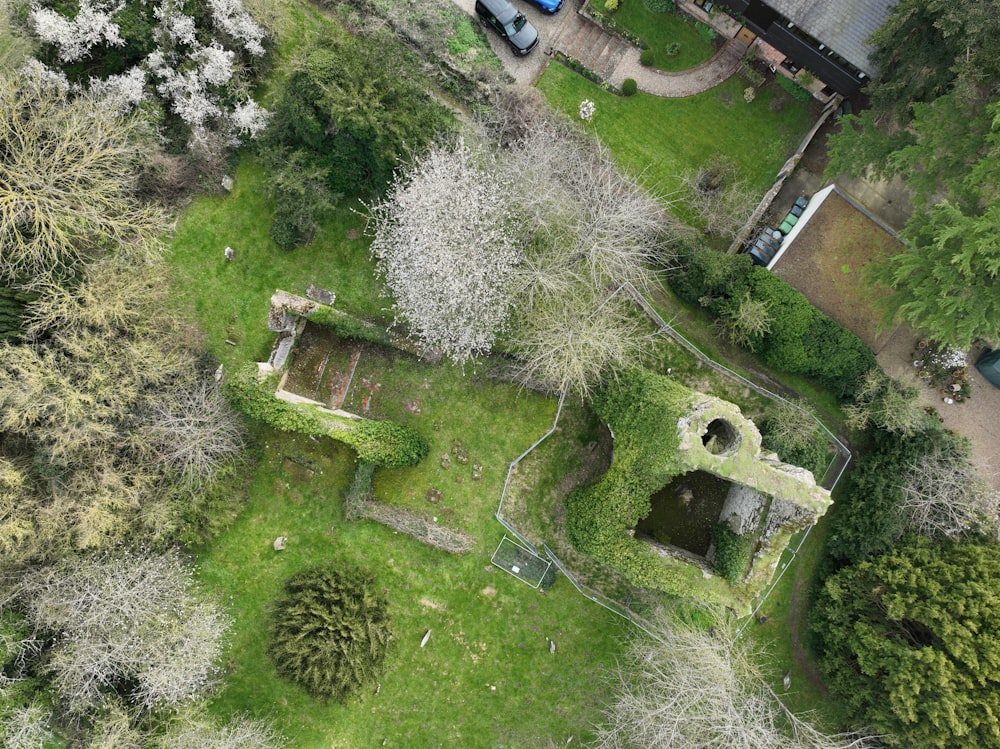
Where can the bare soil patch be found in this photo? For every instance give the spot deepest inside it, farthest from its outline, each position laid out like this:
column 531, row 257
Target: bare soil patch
column 828, row 260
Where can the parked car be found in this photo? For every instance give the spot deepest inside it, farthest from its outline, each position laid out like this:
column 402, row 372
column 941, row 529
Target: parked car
column 509, row 23
column 547, row 6
column 989, row 367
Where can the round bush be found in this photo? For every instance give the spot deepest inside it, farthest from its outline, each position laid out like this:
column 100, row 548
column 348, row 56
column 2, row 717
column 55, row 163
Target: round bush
column 646, row 58
column 330, row 631
column 629, row 86
column 673, row 49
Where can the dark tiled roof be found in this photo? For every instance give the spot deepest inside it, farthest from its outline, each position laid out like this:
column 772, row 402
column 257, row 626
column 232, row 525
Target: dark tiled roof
column 842, row 25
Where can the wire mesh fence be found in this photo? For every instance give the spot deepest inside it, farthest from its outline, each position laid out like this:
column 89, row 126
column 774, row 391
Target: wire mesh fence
column 522, row 563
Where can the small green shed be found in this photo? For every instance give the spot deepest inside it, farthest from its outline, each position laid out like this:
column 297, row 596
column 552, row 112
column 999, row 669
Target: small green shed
column 989, row 367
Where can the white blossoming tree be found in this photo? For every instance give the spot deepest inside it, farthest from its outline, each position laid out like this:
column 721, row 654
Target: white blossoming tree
column 75, row 37
column 195, row 80
column 448, row 239
column 535, row 244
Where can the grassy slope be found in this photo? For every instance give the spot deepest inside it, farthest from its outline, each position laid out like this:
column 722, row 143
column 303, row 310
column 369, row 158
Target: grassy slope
column 488, row 628
column 663, row 138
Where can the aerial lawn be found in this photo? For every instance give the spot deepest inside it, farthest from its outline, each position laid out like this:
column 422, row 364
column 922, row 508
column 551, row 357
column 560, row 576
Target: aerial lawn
column 662, row 139
column 486, row 677
column 665, row 33
column 230, row 300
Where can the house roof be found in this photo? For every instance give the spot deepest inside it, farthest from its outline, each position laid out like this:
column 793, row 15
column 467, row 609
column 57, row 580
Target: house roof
column 842, row 25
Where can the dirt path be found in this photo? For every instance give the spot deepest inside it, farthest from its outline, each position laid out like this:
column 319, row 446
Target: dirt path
column 796, row 616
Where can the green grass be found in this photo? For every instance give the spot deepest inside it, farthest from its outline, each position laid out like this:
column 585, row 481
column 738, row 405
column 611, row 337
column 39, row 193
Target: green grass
column 805, row 697
column 661, row 139
column 230, row 301
column 660, row 30
column 488, row 629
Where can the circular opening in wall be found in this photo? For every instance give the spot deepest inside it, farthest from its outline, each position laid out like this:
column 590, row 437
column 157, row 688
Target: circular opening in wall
column 720, row 438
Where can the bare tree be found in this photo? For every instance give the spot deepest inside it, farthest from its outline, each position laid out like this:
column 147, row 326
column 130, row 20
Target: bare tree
column 719, row 200
column 885, row 403
column 532, row 236
column 195, row 732
column 67, row 173
column 196, row 432
column 695, row 687
column 944, row 495
column 132, row 624
column 111, row 408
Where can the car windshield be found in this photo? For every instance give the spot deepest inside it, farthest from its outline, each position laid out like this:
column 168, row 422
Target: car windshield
column 516, row 25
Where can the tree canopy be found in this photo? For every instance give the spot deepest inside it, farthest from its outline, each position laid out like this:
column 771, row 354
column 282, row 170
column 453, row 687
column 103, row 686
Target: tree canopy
column 909, row 643
column 68, row 169
column 935, row 120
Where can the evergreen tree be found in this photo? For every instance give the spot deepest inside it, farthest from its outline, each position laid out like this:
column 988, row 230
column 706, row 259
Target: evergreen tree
column 330, row 631
column 909, row 643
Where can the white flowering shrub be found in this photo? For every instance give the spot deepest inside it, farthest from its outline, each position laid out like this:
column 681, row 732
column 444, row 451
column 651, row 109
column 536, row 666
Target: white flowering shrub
column 249, row 118
column 194, row 79
column 75, row 38
column 587, row 109
column 120, row 93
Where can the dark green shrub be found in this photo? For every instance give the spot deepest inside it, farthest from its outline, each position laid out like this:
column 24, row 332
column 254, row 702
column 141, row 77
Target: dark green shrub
column 330, row 631
column 646, row 57
column 867, row 520
column 673, row 49
column 793, row 88
column 284, row 232
column 804, row 341
column 709, row 278
column 705, row 31
column 732, row 553
column 629, row 87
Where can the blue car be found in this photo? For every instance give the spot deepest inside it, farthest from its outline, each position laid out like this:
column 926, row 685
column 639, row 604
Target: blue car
column 547, row 6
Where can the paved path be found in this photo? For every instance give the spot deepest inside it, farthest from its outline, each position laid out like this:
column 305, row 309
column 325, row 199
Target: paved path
column 607, row 54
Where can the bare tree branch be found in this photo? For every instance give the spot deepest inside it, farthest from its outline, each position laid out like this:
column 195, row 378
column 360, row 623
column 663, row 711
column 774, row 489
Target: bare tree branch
column 699, row 687
column 944, row 495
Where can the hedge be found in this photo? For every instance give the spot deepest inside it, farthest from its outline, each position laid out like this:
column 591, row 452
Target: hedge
column 802, row 340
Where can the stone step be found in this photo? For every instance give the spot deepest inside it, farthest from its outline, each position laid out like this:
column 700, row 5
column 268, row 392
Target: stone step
column 613, row 59
column 600, row 60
